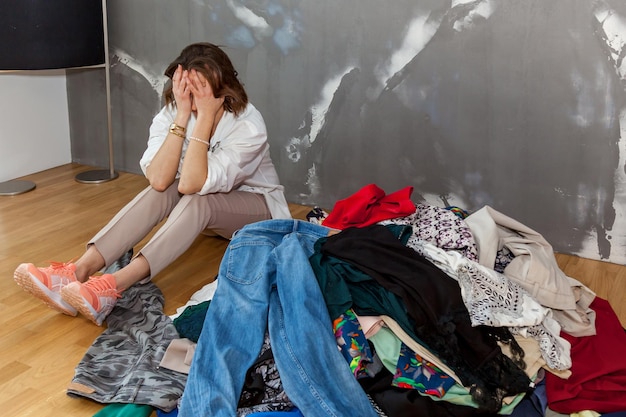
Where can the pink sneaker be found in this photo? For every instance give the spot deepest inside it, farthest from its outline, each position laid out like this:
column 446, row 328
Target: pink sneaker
column 94, row 298
column 46, row 283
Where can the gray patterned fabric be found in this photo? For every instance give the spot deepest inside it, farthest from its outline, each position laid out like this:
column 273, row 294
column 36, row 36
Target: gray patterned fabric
column 122, row 365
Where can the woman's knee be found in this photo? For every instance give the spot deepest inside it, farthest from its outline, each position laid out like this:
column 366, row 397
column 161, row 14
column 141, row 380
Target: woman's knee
column 192, row 209
column 161, row 200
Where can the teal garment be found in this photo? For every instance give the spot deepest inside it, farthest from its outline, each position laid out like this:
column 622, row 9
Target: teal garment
column 344, row 287
column 400, row 231
column 125, row 410
column 189, row 323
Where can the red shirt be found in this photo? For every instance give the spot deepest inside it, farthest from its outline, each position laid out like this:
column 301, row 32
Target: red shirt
column 369, row 206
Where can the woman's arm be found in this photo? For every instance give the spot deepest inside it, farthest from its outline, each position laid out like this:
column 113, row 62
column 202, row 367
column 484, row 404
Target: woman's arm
column 163, row 168
column 239, row 157
column 210, row 110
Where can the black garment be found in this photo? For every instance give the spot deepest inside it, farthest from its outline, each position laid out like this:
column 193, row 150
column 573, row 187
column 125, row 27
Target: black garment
column 402, row 402
column 434, row 303
column 263, row 390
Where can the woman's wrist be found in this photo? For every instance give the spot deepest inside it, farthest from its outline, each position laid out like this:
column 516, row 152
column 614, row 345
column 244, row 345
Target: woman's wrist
column 178, row 130
column 202, row 128
column 200, row 140
column 182, row 117
column 205, row 120
column 181, row 121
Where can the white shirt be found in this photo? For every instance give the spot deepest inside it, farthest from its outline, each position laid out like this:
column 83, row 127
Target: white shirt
column 238, row 158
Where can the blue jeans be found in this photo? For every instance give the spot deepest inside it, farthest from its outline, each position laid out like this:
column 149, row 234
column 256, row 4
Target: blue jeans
column 266, row 281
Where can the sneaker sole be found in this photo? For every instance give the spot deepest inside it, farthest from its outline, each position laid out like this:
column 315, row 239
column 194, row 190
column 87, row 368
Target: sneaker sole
column 34, row 287
column 78, row 302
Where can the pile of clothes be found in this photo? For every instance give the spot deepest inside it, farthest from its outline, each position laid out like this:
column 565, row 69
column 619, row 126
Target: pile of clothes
column 382, row 307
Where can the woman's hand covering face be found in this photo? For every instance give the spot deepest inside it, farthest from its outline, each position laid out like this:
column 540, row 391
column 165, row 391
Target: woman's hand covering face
column 182, row 90
column 204, row 100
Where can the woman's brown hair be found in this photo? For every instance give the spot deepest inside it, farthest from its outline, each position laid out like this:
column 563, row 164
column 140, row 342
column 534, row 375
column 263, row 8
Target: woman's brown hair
column 215, row 65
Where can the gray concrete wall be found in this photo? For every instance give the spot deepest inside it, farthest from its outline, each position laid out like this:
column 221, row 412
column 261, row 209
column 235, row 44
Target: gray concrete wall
column 519, row 105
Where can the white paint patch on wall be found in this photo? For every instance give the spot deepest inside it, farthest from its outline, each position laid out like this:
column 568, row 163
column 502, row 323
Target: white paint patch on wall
column 590, row 246
column 156, row 81
column 438, row 200
column 614, row 27
column 483, row 10
column 419, row 32
column 313, row 181
column 256, row 23
column 318, row 114
column 458, row 2
column 294, row 146
column 432, row 200
column 618, row 235
column 584, row 113
column 319, row 110
column 587, row 109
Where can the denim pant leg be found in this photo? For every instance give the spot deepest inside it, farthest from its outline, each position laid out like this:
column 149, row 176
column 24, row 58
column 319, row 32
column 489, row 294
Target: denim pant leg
column 314, row 374
column 235, row 324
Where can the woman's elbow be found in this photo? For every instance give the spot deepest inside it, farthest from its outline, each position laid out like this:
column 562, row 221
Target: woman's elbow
column 186, row 188
column 159, row 182
column 159, row 185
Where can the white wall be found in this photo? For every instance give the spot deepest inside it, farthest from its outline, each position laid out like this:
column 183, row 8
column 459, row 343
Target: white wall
column 34, row 122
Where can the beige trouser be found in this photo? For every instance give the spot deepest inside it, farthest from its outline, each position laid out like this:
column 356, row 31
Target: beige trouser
column 187, row 216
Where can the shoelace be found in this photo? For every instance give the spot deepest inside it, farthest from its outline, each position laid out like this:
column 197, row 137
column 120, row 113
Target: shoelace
column 101, row 286
column 55, row 265
column 62, row 268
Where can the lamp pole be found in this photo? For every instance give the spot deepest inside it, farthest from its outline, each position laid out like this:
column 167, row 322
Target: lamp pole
column 101, row 175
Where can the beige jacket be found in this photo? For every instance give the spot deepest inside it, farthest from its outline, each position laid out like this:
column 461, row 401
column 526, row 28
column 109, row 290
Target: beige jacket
column 534, row 268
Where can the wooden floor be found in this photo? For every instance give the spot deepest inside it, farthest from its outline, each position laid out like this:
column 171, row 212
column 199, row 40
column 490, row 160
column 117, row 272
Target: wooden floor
column 39, row 347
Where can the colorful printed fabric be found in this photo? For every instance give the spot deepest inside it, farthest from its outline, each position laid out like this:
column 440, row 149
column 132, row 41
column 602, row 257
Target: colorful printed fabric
column 414, row 372
column 352, row 343
column 458, row 211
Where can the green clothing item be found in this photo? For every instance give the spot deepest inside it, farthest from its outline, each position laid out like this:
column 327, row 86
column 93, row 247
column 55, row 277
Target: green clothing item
column 189, row 323
column 125, row 410
column 387, row 346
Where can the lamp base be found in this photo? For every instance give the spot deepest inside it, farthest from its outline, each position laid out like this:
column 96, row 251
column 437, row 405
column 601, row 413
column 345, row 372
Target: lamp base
column 96, row 176
column 15, row 187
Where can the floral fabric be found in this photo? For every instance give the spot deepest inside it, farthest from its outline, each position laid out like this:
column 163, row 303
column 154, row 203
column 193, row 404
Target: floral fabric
column 417, row 373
